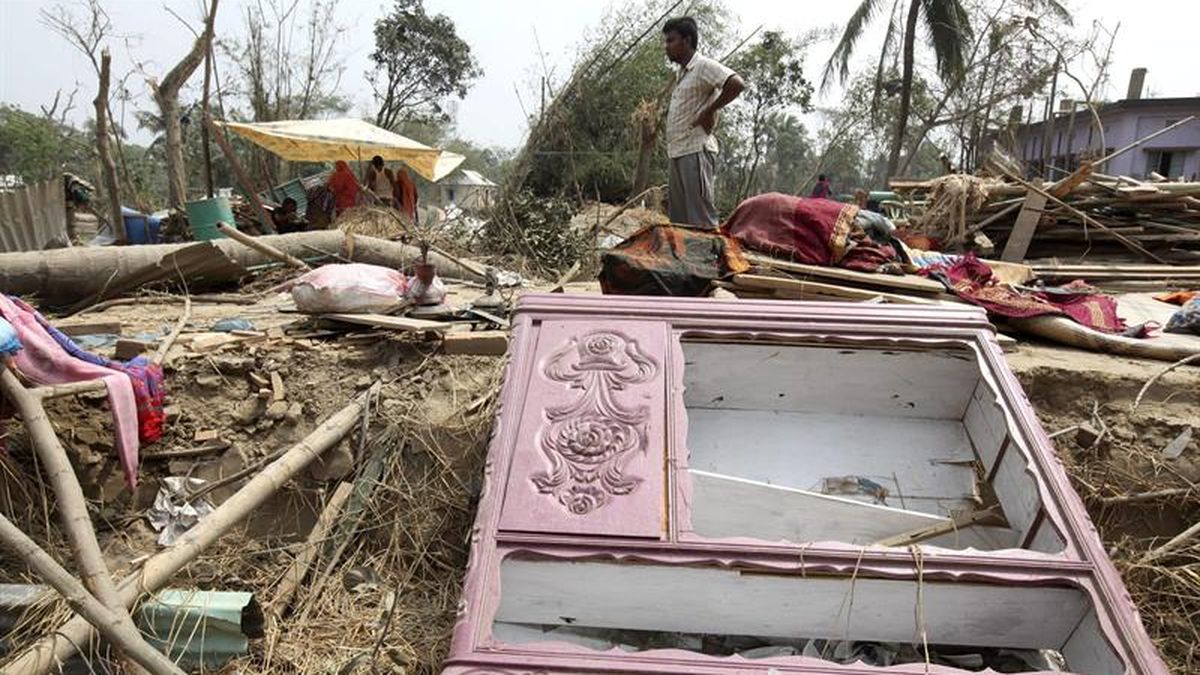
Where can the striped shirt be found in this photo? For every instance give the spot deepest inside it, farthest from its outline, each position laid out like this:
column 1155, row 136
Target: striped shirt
column 696, row 85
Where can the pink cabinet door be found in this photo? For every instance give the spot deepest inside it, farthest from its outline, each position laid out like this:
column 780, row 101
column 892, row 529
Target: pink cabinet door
column 590, row 451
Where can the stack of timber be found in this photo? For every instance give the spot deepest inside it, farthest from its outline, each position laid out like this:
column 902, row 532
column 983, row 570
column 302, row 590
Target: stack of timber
column 1083, row 212
column 1086, row 213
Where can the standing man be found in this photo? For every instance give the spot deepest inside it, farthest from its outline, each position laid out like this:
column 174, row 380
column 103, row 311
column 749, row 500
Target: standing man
column 702, row 87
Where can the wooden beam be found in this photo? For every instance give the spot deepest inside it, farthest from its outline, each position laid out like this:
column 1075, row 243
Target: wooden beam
column 951, row 525
column 402, row 323
column 1023, row 231
column 1129, row 243
column 796, row 289
column 907, row 282
column 240, row 173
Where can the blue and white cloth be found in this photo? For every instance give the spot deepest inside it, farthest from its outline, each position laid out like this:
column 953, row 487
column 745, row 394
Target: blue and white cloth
column 10, row 344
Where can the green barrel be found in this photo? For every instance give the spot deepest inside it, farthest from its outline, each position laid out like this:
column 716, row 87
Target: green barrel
column 203, row 216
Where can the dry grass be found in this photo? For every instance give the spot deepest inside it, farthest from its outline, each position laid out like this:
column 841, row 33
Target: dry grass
column 1167, row 591
column 404, row 550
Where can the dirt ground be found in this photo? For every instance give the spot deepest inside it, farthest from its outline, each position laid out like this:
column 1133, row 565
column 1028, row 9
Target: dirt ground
column 432, row 422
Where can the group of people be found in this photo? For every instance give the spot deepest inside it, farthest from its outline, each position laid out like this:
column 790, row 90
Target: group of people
column 390, row 188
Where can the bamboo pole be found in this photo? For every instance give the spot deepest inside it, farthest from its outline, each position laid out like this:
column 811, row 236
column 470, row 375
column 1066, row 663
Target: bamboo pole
column 58, row 390
column 312, row 546
column 70, row 500
column 262, row 247
column 107, row 623
column 239, row 171
column 59, row 646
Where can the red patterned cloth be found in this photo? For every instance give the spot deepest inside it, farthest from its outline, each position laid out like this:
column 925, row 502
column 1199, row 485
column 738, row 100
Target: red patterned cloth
column 972, row 280
column 809, row 231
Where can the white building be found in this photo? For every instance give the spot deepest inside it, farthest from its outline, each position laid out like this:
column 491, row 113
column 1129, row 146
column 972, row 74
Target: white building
column 466, row 189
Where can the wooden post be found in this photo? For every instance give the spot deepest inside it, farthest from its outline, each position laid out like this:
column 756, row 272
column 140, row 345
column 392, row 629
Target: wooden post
column 262, row 247
column 204, row 132
column 243, row 179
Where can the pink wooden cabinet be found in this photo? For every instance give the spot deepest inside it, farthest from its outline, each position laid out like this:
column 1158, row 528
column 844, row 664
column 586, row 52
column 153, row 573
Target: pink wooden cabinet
column 701, row 486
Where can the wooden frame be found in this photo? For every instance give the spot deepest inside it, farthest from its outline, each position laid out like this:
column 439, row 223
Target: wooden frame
column 617, row 434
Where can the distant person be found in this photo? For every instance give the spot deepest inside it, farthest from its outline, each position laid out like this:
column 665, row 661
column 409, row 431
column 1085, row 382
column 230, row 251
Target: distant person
column 285, row 219
column 344, row 187
column 378, row 180
column 405, row 194
column 702, row 87
column 822, row 190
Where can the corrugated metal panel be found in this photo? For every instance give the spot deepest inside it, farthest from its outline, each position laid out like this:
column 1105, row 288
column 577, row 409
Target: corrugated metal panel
column 200, row 629
column 33, row 216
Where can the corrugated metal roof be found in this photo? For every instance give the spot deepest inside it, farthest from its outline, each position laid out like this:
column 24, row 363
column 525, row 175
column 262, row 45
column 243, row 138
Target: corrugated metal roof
column 468, row 177
column 33, row 216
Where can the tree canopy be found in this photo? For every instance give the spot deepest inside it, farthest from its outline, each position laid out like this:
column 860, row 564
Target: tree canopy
column 420, row 61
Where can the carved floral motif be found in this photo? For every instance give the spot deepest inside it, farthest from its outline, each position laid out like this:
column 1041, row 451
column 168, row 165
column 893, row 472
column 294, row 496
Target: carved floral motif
column 589, row 441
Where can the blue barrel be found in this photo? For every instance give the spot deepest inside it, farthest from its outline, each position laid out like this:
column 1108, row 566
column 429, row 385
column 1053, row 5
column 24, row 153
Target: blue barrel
column 137, row 227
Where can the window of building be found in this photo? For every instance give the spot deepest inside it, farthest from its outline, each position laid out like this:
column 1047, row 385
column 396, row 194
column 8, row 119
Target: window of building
column 1166, row 163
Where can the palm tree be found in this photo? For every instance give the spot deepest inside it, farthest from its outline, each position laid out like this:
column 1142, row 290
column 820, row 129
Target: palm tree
column 949, row 28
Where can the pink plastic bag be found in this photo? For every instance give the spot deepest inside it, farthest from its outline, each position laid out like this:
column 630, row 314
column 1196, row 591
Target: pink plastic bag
column 352, row 288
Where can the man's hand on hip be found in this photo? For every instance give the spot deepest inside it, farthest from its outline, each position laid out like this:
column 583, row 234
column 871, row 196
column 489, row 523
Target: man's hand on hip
column 707, row 120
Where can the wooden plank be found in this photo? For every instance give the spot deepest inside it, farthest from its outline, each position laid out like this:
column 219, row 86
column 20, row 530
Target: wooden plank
column 907, row 282
column 389, row 322
column 551, row 491
column 728, row 506
column 800, row 289
column 1025, row 227
column 482, row 343
column 958, row 522
column 677, row 598
column 90, row 328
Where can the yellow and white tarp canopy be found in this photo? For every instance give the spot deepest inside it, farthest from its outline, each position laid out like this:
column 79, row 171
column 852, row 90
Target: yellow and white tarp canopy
column 348, row 139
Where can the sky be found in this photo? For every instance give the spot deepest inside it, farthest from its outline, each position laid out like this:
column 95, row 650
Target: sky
column 505, row 36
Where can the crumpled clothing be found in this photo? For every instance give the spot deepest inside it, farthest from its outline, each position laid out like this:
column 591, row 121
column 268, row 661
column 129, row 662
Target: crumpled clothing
column 972, row 280
column 810, row 231
column 149, row 390
column 1186, row 320
column 171, row 516
column 44, row 361
column 1177, row 297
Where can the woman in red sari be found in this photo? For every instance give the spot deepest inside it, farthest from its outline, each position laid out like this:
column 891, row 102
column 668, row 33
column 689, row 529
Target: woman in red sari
column 344, row 186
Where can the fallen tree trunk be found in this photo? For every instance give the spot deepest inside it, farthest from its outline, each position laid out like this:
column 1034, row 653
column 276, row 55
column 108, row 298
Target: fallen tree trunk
column 60, row 645
column 68, row 275
column 115, row 629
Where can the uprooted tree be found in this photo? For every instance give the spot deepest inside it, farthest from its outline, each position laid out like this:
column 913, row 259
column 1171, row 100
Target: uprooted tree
column 166, row 95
